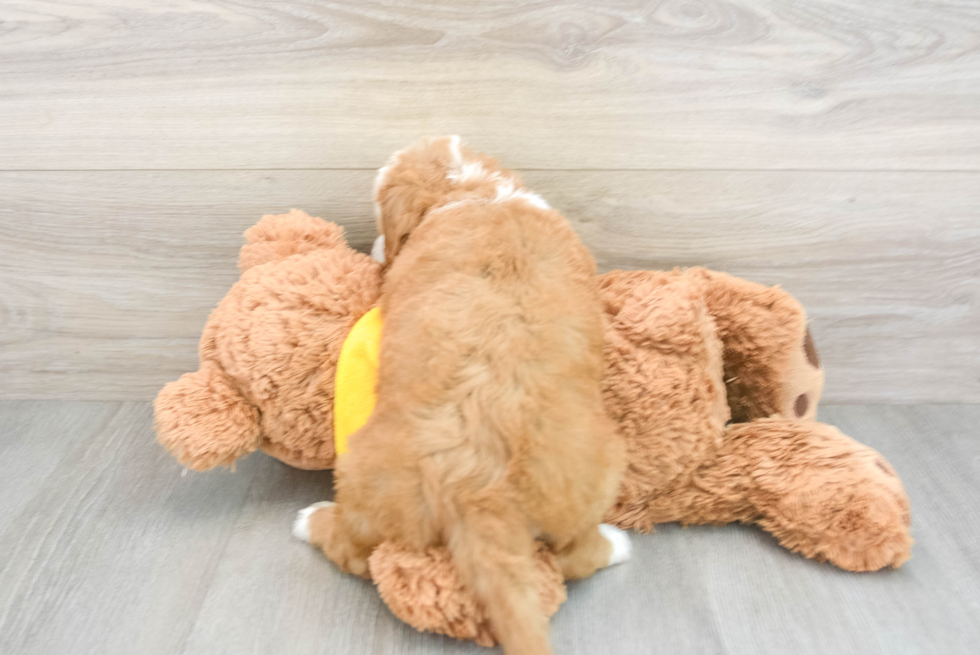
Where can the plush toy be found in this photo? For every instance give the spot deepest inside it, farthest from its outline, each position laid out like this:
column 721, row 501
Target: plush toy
column 713, row 380
column 269, row 350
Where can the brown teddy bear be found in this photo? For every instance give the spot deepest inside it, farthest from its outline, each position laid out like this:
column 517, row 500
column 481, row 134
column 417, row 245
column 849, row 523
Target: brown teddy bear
column 269, row 350
column 713, row 380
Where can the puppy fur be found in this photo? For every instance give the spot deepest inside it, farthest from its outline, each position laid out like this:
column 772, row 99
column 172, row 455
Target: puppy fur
column 489, row 430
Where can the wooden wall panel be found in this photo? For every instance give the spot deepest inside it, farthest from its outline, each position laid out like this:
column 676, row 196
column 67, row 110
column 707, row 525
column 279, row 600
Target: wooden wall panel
column 105, row 284
column 679, row 84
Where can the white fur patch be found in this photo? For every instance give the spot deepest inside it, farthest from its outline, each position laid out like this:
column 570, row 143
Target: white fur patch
column 378, row 249
column 455, row 203
column 507, row 191
column 457, row 152
column 379, row 181
column 301, row 526
column 463, row 171
column 470, row 170
column 622, row 548
column 382, row 177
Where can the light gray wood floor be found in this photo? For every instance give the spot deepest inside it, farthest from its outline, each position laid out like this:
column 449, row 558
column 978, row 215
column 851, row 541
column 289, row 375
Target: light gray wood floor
column 106, row 547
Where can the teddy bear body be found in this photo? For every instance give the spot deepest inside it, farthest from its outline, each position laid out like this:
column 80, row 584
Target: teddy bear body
column 269, row 350
column 687, row 350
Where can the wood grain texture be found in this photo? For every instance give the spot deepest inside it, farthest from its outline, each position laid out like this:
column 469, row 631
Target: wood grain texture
column 106, row 285
column 112, row 551
column 572, row 84
column 33, row 443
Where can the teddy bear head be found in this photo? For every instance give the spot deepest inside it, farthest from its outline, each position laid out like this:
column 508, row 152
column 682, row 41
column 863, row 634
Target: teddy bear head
column 269, row 350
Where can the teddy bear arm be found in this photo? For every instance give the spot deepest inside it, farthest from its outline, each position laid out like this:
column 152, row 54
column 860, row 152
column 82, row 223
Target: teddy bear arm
column 204, row 422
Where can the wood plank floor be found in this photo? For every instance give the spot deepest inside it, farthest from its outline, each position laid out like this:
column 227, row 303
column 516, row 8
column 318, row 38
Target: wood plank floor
column 105, row 548
column 831, row 146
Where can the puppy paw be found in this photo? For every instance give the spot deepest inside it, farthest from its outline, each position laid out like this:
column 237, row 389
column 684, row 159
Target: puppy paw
column 301, row 526
column 622, row 548
column 378, row 249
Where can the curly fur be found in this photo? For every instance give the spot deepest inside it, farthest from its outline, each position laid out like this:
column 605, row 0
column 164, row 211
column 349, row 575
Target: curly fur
column 489, row 429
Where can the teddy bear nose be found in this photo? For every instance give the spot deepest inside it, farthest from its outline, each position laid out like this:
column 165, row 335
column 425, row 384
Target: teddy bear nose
column 801, row 405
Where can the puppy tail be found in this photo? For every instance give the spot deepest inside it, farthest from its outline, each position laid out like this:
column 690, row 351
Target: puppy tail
column 494, row 551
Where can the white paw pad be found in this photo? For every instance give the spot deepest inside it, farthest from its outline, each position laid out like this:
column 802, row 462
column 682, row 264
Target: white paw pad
column 301, row 526
column 622, row 548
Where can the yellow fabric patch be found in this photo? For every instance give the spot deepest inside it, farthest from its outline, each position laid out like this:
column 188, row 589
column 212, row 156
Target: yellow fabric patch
column 357, row 376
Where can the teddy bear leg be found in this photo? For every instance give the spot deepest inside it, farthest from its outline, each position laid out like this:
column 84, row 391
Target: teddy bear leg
column 820, row 493
column 346, row 541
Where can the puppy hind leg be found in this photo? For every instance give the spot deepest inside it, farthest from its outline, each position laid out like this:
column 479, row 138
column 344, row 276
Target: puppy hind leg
column 595, row 548
column 346, row 538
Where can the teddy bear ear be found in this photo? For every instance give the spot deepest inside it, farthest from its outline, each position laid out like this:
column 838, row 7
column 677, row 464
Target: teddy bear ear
column 278, row 236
